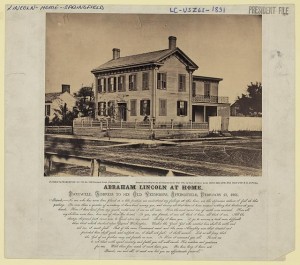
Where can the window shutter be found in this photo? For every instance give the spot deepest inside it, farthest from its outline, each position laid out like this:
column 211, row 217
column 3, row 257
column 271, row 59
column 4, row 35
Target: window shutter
column 104, row 85
column 141, row 107
column 148, row 107
column 178, row 108
column 185, row 108
column 158, row 81
column 115, row 84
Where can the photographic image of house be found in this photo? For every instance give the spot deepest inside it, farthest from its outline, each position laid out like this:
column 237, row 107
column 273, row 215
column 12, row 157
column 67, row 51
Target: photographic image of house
column 158, row 84
column 160, row 90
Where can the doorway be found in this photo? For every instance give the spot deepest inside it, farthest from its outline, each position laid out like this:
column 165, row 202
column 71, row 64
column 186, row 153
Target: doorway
column 122, row 111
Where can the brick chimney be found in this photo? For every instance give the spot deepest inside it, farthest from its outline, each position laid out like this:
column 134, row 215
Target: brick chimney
column 172, row 42
column 65, row 88
column 116, row 53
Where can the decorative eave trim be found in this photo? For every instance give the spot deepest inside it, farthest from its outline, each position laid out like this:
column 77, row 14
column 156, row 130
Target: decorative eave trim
column 127, row 68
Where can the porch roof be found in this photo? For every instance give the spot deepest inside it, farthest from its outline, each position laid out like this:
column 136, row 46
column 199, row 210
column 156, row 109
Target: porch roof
column 206, row 78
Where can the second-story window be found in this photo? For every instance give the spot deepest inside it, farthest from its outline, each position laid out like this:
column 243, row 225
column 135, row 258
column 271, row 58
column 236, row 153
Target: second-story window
column 181, row 82
column 112, row 84
column 161, row 81
column 132, row 82
column 121, row 83
column 145, row 85
column 207, row 90
column 194, row 89
column 101, row 85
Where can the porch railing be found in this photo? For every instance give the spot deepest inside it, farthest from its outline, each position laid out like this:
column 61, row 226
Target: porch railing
column 209, row 99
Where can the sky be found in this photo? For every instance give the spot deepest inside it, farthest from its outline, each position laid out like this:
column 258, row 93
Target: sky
column 225, row 46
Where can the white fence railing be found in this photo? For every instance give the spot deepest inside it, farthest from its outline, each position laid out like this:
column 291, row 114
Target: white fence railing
column 106, row 124
column 245, row 124
column 236, row 124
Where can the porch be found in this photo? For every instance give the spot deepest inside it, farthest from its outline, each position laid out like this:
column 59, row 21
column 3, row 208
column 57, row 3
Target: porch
column 200, row 113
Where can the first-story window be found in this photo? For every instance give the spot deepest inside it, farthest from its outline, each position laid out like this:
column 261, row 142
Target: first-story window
column 101, row 85
column 47, row 110
column 111, row 108
column 145, row 107
column 162, row 107
column 133, row 107
column 181, row 108
column 161, row 81
column 102, row 108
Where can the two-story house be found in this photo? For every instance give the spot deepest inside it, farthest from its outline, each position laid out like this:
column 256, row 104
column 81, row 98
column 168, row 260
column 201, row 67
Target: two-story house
column 159, row 85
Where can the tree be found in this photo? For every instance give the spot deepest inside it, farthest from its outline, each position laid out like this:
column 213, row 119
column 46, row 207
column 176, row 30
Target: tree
column 86, row 101
column 250, row 104
column 63, row 116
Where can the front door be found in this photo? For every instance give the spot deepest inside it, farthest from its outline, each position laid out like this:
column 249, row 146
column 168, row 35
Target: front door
column 122, row 107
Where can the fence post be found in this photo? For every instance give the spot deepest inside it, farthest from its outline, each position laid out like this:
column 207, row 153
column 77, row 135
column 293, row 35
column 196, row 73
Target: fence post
column 121, row 123
column 151, row 124
column 94, row 168
column 172, row 124
column 82, row 123
column 106, row 124
column 191, row 124
column 48, row 163
column 101, row 126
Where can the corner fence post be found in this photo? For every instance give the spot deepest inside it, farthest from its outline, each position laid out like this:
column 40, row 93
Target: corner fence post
column 94, row 168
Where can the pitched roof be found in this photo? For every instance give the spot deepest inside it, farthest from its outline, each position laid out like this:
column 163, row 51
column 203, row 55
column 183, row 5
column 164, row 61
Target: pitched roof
column 143, row 58
column 49, row 97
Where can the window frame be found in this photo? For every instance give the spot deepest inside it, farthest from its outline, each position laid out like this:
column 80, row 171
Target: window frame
column 162, row 84
column 121, row 77
column 145, row 82
column 102, row 111
column 194, row 91
column 100, row 86
column 181, row 84
column 207, row 88
column 134, row 82
column 179, row 108
column 133, row 110
column 148, row 107
column 162, row 111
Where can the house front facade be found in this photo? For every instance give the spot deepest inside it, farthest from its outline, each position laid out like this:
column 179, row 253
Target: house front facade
column 158, row 85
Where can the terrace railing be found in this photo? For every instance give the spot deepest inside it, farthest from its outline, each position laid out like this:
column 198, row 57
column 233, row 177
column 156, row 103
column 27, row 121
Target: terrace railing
column 209, row 99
